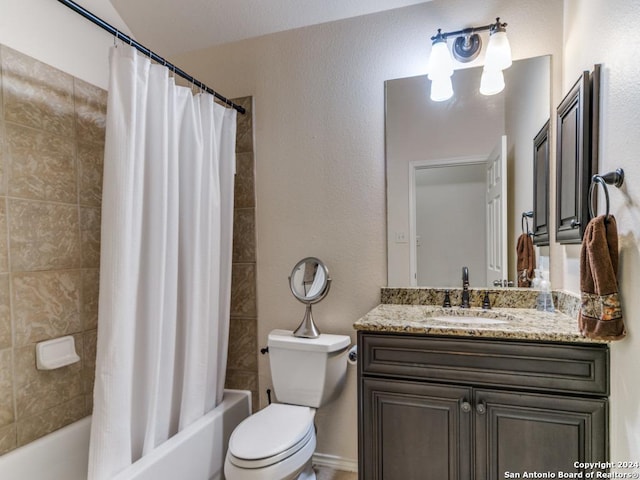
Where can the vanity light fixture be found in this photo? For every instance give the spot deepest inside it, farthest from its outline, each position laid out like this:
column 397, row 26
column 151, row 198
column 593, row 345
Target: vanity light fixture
column 440, row 69
column 466, row 47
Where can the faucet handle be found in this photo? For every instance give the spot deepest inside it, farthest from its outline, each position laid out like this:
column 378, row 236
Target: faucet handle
column 447, row 299
column 486, row 301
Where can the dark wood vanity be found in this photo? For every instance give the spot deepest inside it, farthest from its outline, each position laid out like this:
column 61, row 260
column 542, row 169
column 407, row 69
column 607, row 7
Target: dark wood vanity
column 451, row 407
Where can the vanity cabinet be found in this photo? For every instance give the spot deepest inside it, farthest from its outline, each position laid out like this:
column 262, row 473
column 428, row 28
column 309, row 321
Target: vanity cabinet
column 434, row 407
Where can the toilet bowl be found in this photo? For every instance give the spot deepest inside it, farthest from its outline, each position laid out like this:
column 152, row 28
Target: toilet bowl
column 278, row 442
column 274, row 443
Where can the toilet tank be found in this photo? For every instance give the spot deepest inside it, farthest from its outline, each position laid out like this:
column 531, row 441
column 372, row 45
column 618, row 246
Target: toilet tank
column 307, row 371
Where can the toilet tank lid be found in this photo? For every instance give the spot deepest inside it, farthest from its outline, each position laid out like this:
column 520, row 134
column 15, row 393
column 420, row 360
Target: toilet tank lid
column 326, row 342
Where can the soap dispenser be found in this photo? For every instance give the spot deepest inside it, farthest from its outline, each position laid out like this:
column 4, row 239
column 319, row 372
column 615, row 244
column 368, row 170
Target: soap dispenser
column 544, row 302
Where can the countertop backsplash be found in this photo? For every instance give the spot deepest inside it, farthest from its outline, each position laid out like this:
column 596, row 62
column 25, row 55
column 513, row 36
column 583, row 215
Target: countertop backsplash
column 568, row 303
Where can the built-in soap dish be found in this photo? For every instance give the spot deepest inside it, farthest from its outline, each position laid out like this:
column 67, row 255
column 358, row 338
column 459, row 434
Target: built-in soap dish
column 56, row 353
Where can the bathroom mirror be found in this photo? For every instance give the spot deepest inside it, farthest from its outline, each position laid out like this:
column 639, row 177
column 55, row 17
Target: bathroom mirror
column 309, row 282
column 436, row 153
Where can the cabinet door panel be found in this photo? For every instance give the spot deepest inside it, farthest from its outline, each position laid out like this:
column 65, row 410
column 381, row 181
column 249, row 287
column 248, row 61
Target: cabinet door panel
column 520, row 433
column 411, row 430
column 541, row 186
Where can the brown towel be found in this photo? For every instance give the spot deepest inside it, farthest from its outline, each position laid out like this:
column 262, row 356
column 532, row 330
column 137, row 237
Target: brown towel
column 600, row 314
column 526, row 260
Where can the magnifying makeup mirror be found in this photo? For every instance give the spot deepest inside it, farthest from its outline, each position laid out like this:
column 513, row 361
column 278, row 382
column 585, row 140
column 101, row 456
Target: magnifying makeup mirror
column 309, row 282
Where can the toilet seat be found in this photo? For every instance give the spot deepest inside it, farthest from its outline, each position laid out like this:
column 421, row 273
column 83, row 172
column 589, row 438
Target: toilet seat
column 271, row 435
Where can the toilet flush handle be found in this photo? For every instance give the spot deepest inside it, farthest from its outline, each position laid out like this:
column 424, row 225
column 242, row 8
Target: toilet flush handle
column 352, row 356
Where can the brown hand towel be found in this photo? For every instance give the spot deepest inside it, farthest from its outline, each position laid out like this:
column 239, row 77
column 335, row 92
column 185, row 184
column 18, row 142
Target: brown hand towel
column 526, row 260
column 600, row 314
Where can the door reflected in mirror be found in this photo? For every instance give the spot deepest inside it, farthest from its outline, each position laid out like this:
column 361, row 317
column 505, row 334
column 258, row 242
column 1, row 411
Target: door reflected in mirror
column 448, row 203
column 470, row 227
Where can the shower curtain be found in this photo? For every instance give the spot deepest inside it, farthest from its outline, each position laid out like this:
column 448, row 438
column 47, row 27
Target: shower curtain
column 165, row 267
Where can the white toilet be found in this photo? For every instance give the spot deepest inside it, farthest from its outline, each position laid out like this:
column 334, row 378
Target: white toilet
column 277, row 442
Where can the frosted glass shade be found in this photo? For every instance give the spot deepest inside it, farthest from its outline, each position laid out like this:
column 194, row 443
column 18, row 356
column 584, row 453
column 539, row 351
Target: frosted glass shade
column 441, row 89
column 491, row 82
column 440, row 62
column 498, row 55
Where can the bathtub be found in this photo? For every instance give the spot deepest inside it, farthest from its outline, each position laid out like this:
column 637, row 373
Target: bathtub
column 196, row 453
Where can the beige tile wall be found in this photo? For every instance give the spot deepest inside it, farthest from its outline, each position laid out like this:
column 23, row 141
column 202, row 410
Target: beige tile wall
column 242, row 364
column 51, row 144
column 51, row 152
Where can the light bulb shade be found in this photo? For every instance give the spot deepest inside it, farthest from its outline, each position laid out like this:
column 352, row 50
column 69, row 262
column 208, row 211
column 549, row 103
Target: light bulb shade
column 441, row 89
column 498, row 55
column 440, row 62
column 491, row 82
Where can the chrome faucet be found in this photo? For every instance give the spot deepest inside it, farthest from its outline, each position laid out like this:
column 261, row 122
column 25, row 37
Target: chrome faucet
column 465, row 288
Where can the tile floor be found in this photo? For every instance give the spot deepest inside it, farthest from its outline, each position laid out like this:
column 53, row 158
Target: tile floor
column 326, row 473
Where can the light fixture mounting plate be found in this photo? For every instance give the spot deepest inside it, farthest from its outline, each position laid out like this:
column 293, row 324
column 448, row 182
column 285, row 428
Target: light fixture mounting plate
column 467, row 47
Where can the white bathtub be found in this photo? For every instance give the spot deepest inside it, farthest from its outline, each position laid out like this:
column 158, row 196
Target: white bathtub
column 196, row 453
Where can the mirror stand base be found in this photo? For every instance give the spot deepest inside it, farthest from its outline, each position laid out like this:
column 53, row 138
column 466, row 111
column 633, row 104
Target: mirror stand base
column 307, row 328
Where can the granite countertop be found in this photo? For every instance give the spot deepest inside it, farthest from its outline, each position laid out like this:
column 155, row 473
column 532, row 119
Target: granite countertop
column 518, row 323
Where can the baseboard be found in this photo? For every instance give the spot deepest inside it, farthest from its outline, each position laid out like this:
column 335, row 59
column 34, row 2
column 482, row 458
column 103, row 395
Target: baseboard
column 335, row 462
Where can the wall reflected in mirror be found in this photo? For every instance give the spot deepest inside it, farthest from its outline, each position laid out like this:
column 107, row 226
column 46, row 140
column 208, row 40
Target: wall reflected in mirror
column 439, row 173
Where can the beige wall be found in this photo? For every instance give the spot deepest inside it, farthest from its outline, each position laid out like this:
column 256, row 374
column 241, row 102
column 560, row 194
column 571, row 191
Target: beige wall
column 50, row 32
column 320, row 167
column 52, row 142
column 605, row 31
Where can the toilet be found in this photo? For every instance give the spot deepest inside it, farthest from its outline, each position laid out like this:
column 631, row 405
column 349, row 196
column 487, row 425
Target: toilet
column 277, row 442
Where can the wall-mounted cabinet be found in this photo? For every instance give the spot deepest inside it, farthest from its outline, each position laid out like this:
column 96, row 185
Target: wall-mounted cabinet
column 576, row 155
column 541, row 186
column 456, row 409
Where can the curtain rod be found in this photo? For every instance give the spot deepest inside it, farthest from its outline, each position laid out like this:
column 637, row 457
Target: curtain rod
column 125, row 38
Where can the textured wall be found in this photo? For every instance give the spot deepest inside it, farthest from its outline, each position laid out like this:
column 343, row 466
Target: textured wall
column 319, row 147
column 52, row 141
column 605, row 31
column 55, row 35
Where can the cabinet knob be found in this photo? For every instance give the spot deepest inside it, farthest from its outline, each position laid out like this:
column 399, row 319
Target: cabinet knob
column 465, row 407
column 481, row 408
column 575, row 223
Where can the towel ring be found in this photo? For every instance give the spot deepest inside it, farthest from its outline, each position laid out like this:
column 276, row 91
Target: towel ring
column 525, row 217
column 612, row 178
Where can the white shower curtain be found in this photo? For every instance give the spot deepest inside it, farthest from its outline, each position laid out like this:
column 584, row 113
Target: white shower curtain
column 165, row 268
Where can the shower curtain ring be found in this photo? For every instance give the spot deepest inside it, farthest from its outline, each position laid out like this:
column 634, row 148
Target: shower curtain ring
column 115, row 38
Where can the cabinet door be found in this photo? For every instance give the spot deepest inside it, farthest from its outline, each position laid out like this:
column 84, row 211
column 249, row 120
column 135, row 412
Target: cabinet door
column 577, row 138
column 414, row 430
column 541, row 186
column 519, row 433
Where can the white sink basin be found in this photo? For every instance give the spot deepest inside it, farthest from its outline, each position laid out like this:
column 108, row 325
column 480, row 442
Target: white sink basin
column 467, row 320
